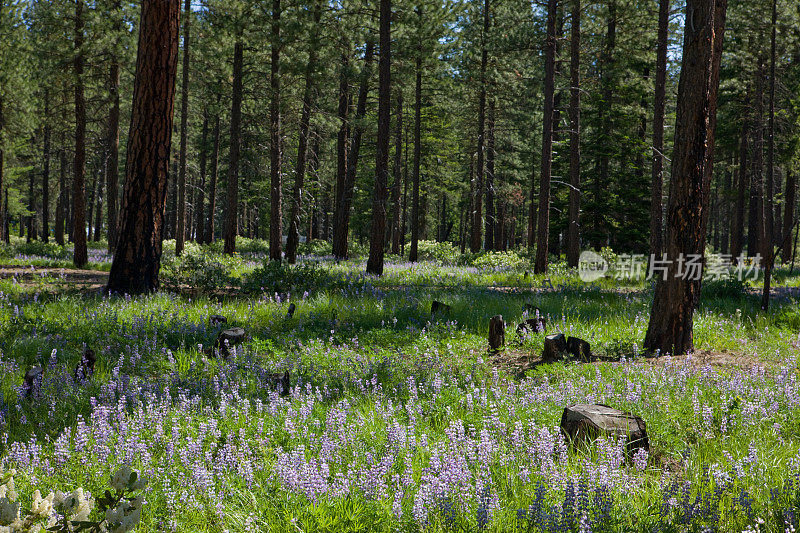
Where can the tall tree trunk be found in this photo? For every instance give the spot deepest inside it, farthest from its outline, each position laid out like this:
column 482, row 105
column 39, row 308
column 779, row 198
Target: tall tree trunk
column 788, row 215
column 532, row 213
column 573, row 232
column 605, row 117
column 200, row 201
column 180, row 227
column 398, row 171
column 670, row 328
column 302, row 148
column 4, row 208
column 98, row 211
column 138, row 253
column 342, row 139
column 341, row 227
column 477, row 215
column 769, row 208
column 378, row 229
column 759, row 224
column 112, row 173
column 275, row 143
column 489, row 194
column 46, row 170
column 212, row 186
column 547, row 140
column 80, row 257
column 90, row 204
column 726, row 210
column 62, row 194
column 413, row 253
column 32, row 206
column 232, row 193
column 658, row 129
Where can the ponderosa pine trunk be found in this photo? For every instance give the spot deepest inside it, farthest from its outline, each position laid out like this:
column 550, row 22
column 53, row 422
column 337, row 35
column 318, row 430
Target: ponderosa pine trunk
column 489, row 191
column 769, row 207
column 137, row 258
column 275, row 142
column 341, row 227
column 212, row 186
column 200, row 199
column 477, row 211
column 573, row 232
column 180, row 226
column 670, row 329
column 398, row 176
column 62, row 193
column 659, row 105
column 532, row 213
column 543, row 235
column 378, row 227
column 788, row 216
column 342, row 139
column 3, row 210
column 413, row 253
column 232, row 192
column 112, row 172
column 46, row 170
column 80, row 256
column 293, row 238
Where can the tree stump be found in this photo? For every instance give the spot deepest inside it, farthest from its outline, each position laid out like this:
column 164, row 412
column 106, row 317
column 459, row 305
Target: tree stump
column 85, row 368
column 579, row 349
column 439, row 308
column 554, row 346
column 280, row 382
column 32, row 384
column 290, row 312
column 532, row 325
column 233, row 336
column 497, row 333
column 585, row 422
column 217, row 320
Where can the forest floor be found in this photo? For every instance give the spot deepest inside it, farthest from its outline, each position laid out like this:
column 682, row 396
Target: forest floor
column 396, row 420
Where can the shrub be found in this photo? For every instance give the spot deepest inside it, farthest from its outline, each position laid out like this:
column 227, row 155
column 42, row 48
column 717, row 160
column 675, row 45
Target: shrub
column 199, row 270
column 315, row 247
column 731, row 288
column 500, row 261
column 444, row 252
column 49, row 250
column 274, row 277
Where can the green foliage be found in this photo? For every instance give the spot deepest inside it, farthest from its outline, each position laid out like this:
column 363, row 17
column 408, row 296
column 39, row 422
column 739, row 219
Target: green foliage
column 443, row 252
column 273, row 277
column 724, row 289
column 201, row 270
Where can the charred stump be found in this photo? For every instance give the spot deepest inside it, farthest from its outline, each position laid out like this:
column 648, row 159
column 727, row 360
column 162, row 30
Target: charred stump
column 586, row 422
column 554, row 347
column 85, row 368
column 579, row 349
column 497, row 333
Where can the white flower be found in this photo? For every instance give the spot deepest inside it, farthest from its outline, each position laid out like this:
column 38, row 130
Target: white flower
column 42, row 507
column 120, row 480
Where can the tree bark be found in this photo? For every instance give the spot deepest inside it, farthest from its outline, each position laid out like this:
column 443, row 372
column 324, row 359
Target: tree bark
column 62, row 194
column 398, row 177
column 769, row 208
column 4, row 208
column 342, row 139
column 80, row 256
column 112, row 173
column 302, row 148
column 341, row 227
column 477, row 215
column 138, row 253
column 489, row 194
column 200, row 200
column 378, row 229
column 180, row 227
column 232, row 193
column 413, row 253
column 98, row 212
column 212, row 186
column 547, row 140
column 573, row 232
column 659, row 105
column 670, row 329
column 788, row 215
column 275, row 144
column 46, row 170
